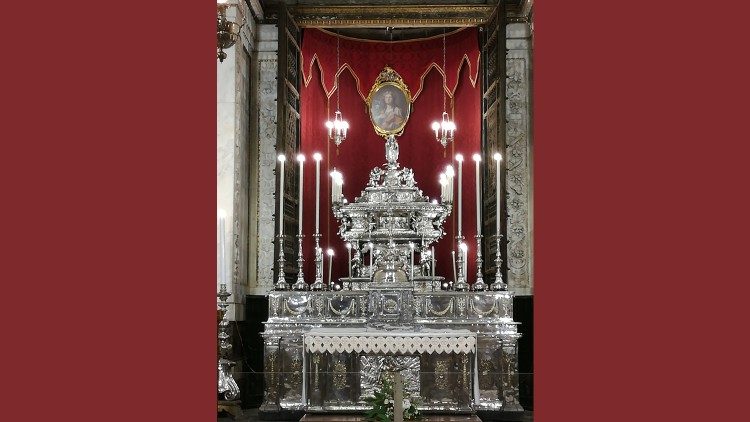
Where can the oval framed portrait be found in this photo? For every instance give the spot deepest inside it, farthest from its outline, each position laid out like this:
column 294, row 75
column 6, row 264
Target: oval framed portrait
column 389, row 105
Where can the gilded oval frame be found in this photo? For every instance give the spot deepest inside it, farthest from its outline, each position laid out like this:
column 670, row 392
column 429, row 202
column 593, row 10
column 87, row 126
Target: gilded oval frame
column 391, row 121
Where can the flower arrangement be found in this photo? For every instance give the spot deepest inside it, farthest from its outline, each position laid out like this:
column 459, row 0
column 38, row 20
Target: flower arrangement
column 382, row 404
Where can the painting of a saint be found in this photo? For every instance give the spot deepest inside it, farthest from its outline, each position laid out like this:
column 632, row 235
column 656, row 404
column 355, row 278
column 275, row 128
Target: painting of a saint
column 389, row 109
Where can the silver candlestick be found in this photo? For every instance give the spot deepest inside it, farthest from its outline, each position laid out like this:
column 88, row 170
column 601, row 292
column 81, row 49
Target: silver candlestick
column 281, row 283
column 227, row 385
column 479, row 286
column 499, row 284
column 318, row 283
column 300, row 283
column 461, row 284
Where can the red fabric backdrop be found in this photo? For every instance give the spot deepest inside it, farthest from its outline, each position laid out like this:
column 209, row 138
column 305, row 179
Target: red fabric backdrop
column 364, row 149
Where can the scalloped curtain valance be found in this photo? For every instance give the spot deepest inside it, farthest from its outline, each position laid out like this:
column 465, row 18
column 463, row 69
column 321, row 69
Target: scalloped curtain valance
column 412, row 59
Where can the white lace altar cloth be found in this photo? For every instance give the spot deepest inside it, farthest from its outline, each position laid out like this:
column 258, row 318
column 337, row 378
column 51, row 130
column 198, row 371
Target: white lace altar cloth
column 345, row 340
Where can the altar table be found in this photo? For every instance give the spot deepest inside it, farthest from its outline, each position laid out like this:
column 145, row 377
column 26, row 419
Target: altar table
column 343, row 366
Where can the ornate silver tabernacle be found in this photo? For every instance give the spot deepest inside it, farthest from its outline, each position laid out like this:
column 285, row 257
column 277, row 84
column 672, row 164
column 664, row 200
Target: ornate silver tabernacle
column 325, row 351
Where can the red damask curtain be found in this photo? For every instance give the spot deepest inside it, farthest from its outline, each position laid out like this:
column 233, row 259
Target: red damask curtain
column 419, row 62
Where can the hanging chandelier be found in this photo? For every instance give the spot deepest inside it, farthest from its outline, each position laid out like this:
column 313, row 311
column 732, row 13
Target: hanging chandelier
column 338, row 127
column 227, row 31
column 444, row 130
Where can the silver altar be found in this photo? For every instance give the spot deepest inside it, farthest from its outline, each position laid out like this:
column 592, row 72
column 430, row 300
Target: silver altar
column 389, row 220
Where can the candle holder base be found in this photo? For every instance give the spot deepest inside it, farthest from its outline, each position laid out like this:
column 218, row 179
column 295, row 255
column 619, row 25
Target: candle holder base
column 499, row 284
column 281, row 283
column 479, row 286
column 300, row 283
column 318, row 285
column 461, row 286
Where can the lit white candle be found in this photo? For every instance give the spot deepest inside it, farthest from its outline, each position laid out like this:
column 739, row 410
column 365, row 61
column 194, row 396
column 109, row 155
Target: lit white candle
column 330, row 264
column 449, row 174
column 411, row 267
column 337, row 184
column 282, row 159
column 497, row 158
column 460, row 159
column 433, row 260
column 464, row 250
column 453, row 258
column 349, row 252
column 371, row 253
column 301, row 159
column 443, row 187
column 222, row 247
column 477, row 159
column 317, row 157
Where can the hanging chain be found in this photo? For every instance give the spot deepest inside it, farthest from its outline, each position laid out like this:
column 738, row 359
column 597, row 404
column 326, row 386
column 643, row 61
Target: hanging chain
column 445, row 72
column 338, row 87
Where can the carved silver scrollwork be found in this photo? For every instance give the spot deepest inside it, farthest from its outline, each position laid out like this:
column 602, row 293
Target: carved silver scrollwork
column 431, row 310
column 374, row 367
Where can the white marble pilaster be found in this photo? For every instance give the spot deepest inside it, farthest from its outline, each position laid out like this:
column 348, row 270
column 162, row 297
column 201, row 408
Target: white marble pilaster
column 232, row 142
column 267, row 37
column 518, row 151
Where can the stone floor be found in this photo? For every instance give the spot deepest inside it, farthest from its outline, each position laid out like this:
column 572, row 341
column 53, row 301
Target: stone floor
column 251, row 415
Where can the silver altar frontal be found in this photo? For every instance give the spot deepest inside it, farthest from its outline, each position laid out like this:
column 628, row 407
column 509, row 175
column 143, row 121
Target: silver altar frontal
column 324, row 351
column 327, row 348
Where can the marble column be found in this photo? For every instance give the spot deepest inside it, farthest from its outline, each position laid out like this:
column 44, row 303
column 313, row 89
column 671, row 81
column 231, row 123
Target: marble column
column 233, row 104
column 267, row 164
column 518, row 155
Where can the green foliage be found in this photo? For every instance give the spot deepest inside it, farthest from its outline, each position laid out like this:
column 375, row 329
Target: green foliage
column 382, row 404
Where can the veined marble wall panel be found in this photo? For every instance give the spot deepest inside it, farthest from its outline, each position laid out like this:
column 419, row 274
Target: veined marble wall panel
column 226, row 93
column 233, row 136
column 267, row 72
column 518, row 152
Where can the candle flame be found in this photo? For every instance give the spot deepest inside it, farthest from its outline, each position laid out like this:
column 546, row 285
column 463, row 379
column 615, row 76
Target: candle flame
column 497, row 156
column 317, row 156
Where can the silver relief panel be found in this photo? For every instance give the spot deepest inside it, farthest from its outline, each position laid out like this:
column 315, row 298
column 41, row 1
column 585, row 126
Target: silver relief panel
column 372, row 368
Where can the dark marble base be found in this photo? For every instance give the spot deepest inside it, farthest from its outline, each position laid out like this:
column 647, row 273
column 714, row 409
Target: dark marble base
column 281, row 415
column 492, row 416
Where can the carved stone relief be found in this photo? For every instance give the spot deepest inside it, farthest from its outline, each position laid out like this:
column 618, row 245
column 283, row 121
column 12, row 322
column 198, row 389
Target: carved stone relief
column 518, row 174
column 268, row 66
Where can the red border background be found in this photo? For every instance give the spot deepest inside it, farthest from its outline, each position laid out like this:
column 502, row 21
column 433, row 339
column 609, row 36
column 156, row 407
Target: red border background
column 640, row 227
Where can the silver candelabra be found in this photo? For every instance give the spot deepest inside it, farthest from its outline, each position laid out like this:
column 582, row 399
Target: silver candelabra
column 499, row 284
column 227, row 385
column 281, row 283
column 300, row 283
column 461, row 284
column 480, row 284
